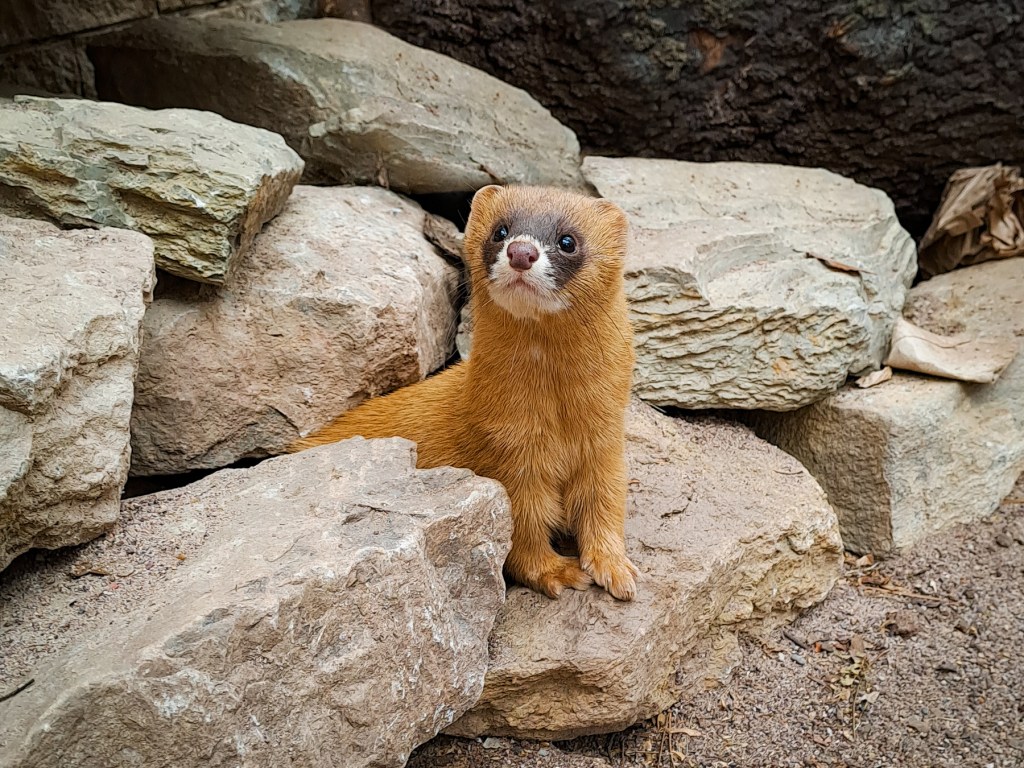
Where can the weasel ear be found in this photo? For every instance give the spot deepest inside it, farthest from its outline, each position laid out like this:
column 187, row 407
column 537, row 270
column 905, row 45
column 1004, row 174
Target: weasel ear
column 608, row 209
column 484, row 194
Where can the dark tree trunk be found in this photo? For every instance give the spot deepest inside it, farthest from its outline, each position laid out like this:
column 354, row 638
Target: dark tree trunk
column 894, row 94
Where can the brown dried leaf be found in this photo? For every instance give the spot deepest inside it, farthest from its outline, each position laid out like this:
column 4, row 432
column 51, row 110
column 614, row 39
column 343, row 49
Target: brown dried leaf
column 88, row 568
column 857, row 646
column 839, row 266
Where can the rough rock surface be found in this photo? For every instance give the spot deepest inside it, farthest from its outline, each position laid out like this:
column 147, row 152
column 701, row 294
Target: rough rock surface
column 326, row 608
column 340, row 298
column 196, row 183
column 71, row 307
column 359, row 105
column 727, row 532
column 729, row 308
column 916, row 454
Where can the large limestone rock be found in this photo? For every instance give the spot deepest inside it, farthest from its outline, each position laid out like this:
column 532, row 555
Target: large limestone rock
column 732, row 298
column 326, row 608
column 915, row 454
column 727, row 531
column 71, row 307
column 199, row 185
column 339, row 299
column 359, row 105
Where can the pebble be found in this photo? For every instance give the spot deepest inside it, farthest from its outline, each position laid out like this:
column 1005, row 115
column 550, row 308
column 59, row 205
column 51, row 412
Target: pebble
column 1004, row 539
column 947, row 666
column 919, row 725
column 492, row 743
column 798, row 659
column 903, row 623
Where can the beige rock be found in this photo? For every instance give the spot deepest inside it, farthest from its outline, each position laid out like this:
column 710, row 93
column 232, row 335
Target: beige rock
column 728, row 533
column 339, row 299
column 199, row 185
column 915, row 454
column 71, row 307
column 358, row 104
column 755, row 286
column 327, row 608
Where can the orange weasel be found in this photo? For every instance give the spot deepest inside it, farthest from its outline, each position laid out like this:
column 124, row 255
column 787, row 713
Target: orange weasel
column 540, row 405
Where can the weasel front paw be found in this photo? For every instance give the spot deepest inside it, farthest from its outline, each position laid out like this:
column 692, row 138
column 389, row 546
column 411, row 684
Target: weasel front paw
column 614, row 572
column 556, row 574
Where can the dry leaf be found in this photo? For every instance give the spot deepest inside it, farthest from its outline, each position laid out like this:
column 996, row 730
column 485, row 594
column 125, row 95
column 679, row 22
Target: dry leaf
column 686, row 731
column 88, row 569
column 857, row 646
column 839, row 266
column 980, row 217
column 960, row 357
column 875, row 378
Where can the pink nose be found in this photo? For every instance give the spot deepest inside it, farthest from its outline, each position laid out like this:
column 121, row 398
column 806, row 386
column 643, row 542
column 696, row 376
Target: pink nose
column 522, row 255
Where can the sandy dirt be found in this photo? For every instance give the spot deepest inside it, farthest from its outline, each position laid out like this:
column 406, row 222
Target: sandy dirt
column 912, row 662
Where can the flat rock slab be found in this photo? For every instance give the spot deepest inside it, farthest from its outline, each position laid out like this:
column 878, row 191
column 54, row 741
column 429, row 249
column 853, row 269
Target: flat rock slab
column 360, row 105
column 755, row 286
column 71, row 308
column 916, row 454
column 340, row 298
column 199, row 185
column 727, row 531
column 326, row 608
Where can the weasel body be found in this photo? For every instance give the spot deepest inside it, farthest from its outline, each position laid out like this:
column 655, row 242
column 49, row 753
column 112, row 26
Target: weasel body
column 540, row 405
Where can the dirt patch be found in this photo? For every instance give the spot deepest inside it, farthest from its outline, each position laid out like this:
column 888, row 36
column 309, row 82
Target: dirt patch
column 912, row 662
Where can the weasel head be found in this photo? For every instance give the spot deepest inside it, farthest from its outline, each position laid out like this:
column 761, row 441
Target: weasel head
column 538, row 250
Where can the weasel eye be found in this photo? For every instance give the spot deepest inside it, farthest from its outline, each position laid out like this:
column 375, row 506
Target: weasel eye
column 500, row 233
column 567, row 244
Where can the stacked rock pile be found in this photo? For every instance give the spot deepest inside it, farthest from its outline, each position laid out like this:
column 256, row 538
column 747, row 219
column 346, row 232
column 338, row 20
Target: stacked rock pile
column 340, row 602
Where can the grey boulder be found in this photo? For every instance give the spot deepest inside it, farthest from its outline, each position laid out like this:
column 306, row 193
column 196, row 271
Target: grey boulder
column 71, row 309
column 755, row 286
column 339, row 299
column 729, row 534
column 327, row 608
column 360, row 105
column 915, row 454
column 199, row 185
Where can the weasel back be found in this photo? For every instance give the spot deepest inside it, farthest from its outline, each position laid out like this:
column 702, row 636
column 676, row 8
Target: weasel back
column 428, row 413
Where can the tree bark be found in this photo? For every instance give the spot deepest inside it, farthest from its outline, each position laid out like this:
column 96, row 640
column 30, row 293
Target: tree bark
column 896, row 95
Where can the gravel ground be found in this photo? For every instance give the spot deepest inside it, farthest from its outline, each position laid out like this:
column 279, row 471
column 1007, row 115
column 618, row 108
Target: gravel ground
column 912, row 662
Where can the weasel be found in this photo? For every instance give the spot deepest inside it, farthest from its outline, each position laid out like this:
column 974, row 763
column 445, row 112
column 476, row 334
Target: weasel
column 540, row 404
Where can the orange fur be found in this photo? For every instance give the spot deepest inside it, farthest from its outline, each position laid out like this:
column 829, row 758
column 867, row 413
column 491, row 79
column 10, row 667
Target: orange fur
column 540, row 404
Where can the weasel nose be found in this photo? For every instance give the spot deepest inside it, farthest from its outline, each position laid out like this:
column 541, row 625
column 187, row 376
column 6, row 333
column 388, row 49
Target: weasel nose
column 522, row 255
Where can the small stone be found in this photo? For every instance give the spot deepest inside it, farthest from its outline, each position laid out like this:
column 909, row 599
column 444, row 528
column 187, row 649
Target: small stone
column 904, row 623
column 543, row 752
column 492, row 743
column 796, row 657
column 947, row 666
column 1004, row 539
column 919, row 725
